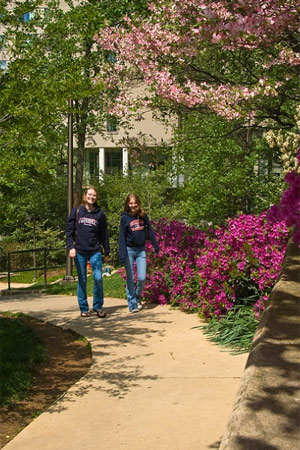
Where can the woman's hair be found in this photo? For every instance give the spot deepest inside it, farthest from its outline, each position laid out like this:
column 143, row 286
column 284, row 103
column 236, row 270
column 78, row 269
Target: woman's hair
column 140, row 211
column 85, row 192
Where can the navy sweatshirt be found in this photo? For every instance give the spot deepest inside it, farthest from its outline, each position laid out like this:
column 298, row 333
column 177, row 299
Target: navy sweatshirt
column 91, row 234
column 132, row 233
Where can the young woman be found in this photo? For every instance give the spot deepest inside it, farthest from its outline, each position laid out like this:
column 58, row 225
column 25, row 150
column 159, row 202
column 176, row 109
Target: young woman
column 86, row 236
column 133, row 228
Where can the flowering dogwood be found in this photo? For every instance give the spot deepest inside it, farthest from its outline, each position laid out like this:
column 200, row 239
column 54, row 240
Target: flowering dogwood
column 240, row 59
column 219, row 54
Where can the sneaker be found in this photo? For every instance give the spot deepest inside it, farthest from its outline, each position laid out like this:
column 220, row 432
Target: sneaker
column 134, row 310
column 140, row 306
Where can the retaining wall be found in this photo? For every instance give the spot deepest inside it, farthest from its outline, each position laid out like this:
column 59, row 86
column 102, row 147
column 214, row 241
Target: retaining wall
column 266, row 414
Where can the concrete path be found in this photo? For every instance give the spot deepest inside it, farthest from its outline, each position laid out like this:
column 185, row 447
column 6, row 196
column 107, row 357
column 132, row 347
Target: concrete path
column 4, row 285
column 155, row 382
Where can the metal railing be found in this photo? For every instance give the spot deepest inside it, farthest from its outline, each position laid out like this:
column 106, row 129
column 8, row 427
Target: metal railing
column 44, row 267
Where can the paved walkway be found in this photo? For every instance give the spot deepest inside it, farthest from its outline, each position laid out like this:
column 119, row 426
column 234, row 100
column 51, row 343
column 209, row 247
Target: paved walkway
column 4, row 285
column 155, row 382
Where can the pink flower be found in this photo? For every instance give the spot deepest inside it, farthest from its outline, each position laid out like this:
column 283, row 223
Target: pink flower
column 205, row 273
column 289, row 207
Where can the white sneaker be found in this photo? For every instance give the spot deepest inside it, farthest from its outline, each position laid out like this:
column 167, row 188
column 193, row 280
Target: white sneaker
column 134, row 310
column 140, row 306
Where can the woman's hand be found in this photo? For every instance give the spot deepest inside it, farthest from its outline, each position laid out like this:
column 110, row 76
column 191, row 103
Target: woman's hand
column 72, row 253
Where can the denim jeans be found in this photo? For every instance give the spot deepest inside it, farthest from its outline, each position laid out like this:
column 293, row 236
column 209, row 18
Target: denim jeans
column 134, row 290
column 95, row 260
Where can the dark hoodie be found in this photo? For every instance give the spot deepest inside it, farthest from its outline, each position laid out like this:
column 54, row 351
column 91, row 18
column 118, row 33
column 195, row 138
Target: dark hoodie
column 91, row 233
column 132, row 233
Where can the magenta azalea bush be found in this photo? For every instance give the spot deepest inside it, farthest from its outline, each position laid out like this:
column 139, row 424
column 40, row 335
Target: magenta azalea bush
column 289, row 208
column 210, row 272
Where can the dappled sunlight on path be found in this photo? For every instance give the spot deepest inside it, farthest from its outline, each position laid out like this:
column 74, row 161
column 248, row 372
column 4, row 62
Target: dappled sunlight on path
column 155, row 382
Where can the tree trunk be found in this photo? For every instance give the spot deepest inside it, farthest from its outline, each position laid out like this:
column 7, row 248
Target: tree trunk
column 81, row 136
column 81, row 127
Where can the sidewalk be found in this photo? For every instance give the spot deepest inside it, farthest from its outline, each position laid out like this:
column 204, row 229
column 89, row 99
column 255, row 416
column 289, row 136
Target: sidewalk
column 155, row 382
column 4, row 285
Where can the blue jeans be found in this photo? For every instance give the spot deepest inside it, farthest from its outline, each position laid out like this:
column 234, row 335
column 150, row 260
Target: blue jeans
column 95, row 260
column 134, row 290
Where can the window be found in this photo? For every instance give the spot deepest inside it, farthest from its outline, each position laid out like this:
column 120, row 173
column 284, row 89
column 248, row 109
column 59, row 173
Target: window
column 266, row 168
column 27, row 16
column 113, row 160
column 3, row 64
column 93, row 163
column 153, row 160
column 111, row 124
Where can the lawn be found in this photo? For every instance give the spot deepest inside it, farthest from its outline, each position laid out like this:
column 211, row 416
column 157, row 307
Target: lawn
column 114, row 286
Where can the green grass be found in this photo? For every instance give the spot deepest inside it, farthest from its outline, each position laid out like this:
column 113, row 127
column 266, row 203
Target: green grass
column 20, row 351
column 35, row 276
column 114, row 286
column 234, row 331
column 22, row 277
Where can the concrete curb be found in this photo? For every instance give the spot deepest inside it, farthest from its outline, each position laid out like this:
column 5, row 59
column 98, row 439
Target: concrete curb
column 19, row 292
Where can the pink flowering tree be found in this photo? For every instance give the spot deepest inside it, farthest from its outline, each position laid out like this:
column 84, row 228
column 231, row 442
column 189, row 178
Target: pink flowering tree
column 238, row 58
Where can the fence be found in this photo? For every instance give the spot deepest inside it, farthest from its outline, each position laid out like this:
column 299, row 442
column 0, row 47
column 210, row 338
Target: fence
column 46, row 263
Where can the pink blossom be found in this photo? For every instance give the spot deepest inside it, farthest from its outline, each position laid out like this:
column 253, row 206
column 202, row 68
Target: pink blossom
column 200, row 272
column 177, row 31
column 289, row 207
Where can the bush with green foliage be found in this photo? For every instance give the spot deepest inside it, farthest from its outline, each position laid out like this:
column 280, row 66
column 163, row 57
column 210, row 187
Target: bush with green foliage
column 224, row 171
